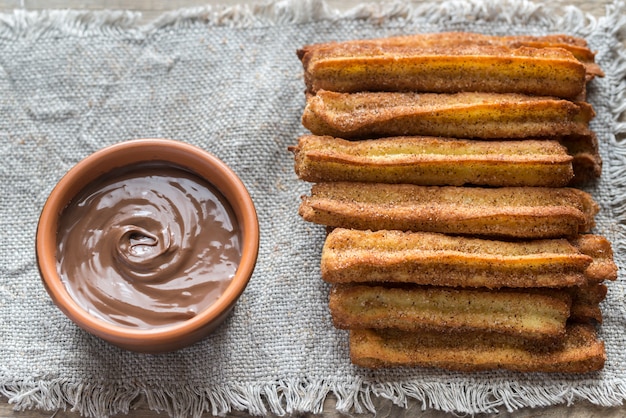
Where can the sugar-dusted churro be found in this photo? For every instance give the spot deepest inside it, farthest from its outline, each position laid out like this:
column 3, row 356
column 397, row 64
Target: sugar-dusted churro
column 433, row 161
column 461, row 115
column 448, row 63
column 517, row 212
column 579, row 351
column 353, row 256
column 438, row 47
column 527, row 314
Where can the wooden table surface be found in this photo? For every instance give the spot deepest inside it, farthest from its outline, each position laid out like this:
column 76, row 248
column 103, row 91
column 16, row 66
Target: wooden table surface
column 150, row 9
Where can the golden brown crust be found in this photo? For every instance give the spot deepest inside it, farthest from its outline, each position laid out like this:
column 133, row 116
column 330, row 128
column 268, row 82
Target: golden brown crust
column 352, row 256
column 461, row 115
column 432, row 161
column 579, row 351
column 443, row 68
column 555, row 65
column 530, row 315
column 575, row 45
column 516, row 212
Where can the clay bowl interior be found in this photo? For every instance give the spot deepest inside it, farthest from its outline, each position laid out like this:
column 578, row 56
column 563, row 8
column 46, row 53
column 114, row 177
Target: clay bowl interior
column 203, row 164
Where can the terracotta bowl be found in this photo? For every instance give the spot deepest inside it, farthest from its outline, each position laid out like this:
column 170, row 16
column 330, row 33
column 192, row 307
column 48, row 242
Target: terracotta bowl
column 125, row 154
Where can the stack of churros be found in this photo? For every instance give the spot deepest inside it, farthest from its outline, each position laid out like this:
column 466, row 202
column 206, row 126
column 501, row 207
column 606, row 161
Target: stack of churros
column 446, row 169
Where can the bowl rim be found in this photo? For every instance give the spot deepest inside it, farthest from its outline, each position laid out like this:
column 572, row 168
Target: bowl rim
column 146, row 150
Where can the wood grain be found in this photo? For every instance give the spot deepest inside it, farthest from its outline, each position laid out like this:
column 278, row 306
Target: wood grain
column 150, row 9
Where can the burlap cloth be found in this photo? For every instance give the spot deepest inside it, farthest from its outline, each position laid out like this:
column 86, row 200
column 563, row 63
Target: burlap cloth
column 229, row 81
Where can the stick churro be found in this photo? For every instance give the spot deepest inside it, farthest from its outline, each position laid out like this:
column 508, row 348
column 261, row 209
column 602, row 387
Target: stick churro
column 526, row 314
column 446, row 63
column 352, row 256
column 430, row 161
column 461, row 115
column 579, row 351
column 515, row 212
column 439, row 46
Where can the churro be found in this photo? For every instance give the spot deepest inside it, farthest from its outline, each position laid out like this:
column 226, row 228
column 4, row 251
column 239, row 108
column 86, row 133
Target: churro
column 579, row 351
column 514, row 212
column 461, row 115
column 449, row 63
column 431, row 161
column 526, row 314
column 353, row 256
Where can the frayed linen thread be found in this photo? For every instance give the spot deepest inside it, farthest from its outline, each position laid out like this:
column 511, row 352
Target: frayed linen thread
column 296, row 396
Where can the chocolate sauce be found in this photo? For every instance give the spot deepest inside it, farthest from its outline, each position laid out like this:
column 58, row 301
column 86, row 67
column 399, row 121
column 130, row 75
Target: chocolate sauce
column 148, row 246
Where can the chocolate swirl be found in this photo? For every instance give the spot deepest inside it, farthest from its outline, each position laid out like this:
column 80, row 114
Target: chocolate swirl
column 148, row 247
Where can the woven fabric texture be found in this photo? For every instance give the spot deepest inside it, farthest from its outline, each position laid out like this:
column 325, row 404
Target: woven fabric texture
column 229, row 81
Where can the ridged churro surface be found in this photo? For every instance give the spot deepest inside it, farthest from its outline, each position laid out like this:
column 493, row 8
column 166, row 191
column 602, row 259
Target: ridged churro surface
column 460, row 115
column 517, row 212
column 446, row 63
column 431, row 161
column 523, row 313
column 353, row 256
column 579, row 351
column 452, row 41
